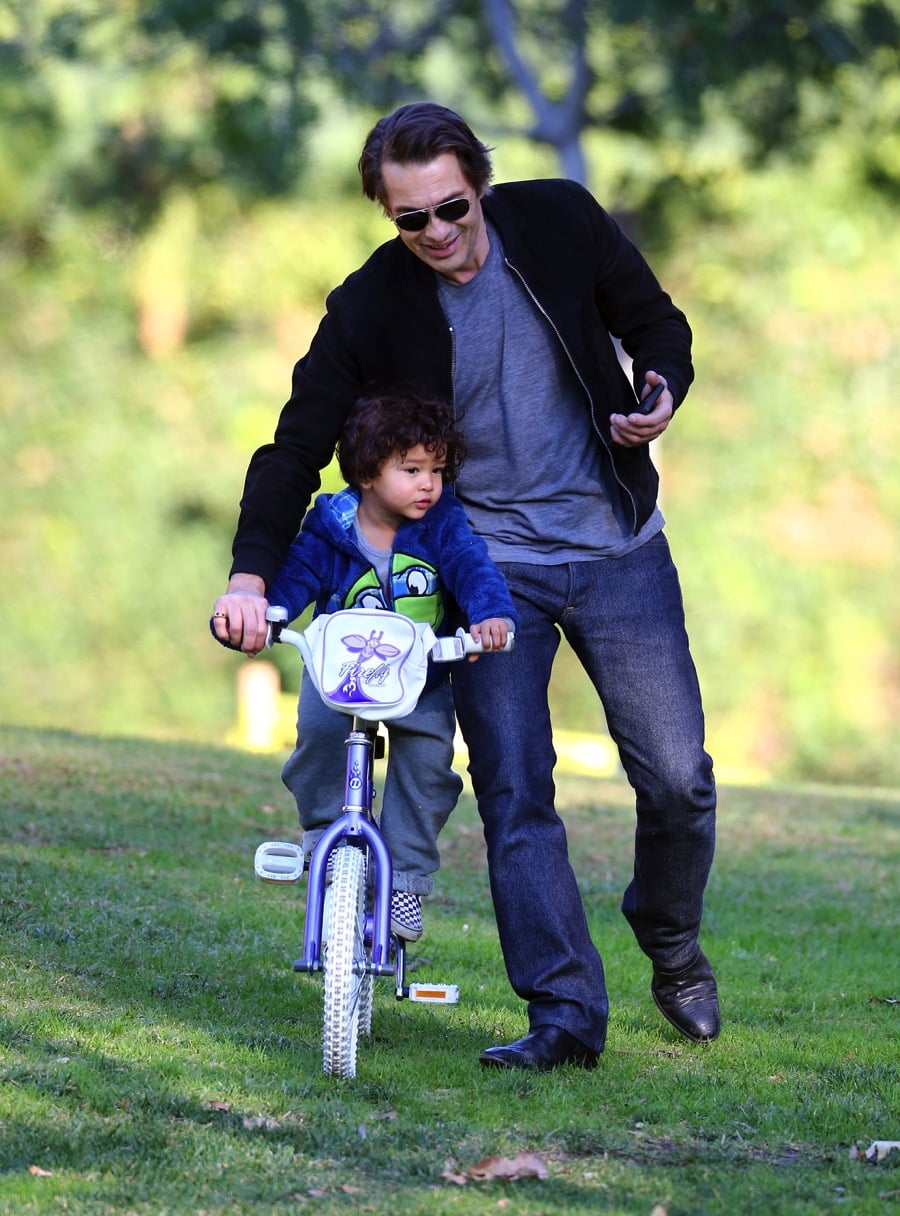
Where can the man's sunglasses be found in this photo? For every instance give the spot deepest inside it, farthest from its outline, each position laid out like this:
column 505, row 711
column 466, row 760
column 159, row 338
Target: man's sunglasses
column 417, row 221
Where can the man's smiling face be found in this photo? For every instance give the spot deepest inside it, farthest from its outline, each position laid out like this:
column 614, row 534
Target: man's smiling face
column 455, row 248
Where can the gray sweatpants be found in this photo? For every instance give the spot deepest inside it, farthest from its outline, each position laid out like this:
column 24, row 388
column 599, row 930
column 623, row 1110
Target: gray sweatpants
column 420, row 787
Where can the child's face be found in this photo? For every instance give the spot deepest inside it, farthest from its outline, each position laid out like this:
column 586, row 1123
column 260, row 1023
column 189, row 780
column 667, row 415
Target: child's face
column 407, row 485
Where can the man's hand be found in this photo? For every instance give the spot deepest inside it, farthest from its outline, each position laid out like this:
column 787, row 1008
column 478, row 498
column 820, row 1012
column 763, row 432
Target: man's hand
column 239, row 616
column 633, row 429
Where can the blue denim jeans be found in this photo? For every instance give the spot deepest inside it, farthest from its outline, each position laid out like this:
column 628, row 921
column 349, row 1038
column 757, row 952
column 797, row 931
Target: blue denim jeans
column 420, row 787
column 624, row 620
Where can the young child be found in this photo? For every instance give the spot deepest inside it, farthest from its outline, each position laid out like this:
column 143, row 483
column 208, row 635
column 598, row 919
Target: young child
column 392, row 539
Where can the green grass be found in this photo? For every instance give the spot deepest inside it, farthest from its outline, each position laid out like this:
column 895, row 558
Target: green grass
column 159, row 1055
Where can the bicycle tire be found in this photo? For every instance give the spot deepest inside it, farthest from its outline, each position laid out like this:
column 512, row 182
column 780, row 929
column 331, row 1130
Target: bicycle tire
column 343, row 962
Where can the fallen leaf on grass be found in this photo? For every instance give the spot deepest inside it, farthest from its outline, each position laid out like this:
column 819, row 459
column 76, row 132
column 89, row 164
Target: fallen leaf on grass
column 38, row 1172
column 506, row 1169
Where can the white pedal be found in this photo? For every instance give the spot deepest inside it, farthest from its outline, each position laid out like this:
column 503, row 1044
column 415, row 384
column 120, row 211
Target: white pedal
column 278, row 861
column 435, row 994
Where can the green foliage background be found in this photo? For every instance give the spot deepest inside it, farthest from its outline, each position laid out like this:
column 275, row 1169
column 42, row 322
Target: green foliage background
column 155, row 302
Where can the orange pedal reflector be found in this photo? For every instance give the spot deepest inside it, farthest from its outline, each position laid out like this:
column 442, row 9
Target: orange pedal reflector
column 438, row 994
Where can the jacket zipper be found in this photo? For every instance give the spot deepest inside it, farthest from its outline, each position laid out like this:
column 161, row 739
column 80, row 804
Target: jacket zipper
column 452, row 332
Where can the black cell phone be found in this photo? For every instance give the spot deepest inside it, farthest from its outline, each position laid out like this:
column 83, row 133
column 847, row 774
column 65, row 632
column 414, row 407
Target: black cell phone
column 645, row 406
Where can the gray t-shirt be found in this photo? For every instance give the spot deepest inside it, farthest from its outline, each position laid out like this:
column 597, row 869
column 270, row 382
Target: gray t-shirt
column 380, row 558
column 531, row 483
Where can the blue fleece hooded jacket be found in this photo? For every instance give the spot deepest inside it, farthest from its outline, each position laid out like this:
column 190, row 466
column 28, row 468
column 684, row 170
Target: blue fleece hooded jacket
column 430, row 557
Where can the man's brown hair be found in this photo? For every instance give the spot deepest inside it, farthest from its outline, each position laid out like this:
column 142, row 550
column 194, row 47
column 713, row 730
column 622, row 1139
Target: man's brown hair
column 417, row 134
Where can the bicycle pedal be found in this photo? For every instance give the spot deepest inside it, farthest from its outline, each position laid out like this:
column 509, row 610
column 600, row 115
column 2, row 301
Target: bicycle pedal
column 278, row 861
column 435, row 994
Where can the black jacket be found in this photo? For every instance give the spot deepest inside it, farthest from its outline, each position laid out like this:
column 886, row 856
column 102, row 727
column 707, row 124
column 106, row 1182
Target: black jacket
column 384, row 327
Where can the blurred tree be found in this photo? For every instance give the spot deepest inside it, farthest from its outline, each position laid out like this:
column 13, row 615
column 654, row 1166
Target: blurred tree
column 125, row 101
column 769, row 76
column 558, row 98
column 172, row 212
column 373, row 49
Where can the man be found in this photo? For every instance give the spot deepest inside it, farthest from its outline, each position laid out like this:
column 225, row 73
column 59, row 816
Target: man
column 503, row 300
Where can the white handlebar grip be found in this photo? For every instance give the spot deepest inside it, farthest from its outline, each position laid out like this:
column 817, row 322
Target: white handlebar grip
column 470, row 646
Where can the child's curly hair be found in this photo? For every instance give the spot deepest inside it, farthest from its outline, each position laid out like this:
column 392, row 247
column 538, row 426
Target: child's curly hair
column 383, row 424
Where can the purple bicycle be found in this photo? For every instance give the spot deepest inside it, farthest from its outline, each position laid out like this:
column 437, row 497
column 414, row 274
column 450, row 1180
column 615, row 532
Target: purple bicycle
column 371, row 666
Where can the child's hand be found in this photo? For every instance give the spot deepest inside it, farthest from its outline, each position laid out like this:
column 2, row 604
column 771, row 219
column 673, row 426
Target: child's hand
column 492, row 633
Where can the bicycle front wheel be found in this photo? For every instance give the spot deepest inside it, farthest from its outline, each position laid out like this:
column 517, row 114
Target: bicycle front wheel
column 344, row 962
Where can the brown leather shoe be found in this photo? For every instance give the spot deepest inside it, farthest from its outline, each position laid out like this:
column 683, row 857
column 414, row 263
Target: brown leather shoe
column 689, row 999
column 545, row 1048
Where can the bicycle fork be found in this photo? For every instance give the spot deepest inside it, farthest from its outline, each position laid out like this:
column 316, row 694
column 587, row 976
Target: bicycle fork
column 356, row 830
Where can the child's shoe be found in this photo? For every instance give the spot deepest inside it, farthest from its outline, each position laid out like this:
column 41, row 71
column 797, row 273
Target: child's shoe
column 406, row 915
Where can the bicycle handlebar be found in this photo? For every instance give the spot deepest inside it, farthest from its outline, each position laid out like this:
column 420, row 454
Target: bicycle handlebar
column 448, row 649
column 445, row 650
